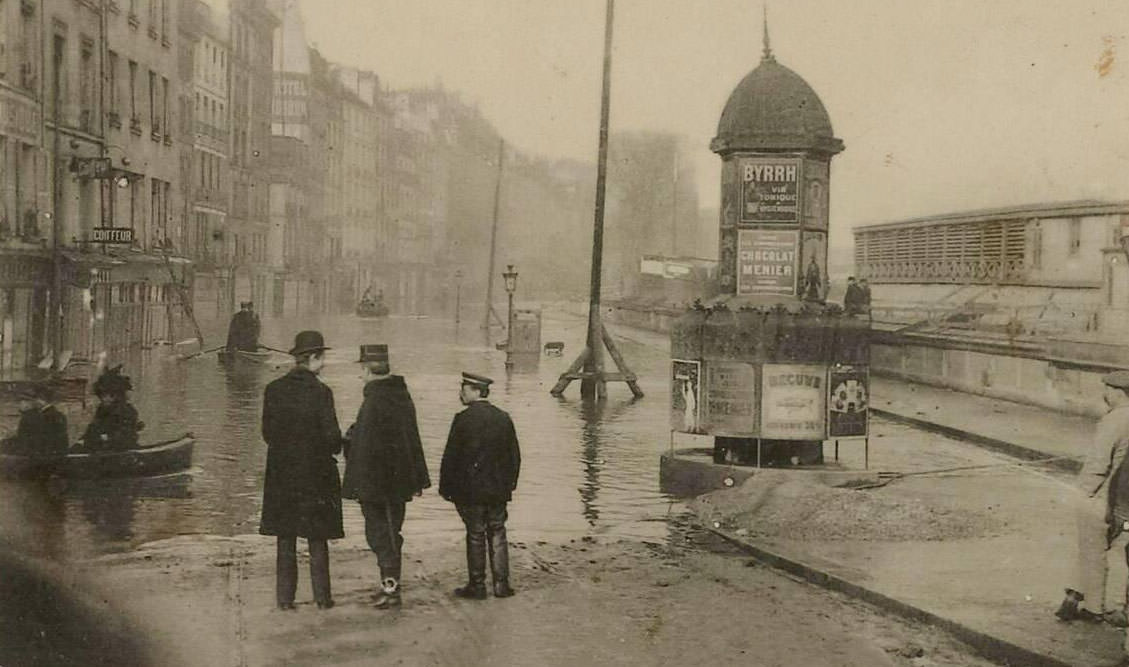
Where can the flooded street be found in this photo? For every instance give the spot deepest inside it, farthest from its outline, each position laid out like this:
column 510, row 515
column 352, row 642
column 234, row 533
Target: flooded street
column 586, row 471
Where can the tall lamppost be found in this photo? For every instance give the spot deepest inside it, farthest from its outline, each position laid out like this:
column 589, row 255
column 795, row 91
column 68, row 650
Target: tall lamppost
column 510, row 276
column 458, row 294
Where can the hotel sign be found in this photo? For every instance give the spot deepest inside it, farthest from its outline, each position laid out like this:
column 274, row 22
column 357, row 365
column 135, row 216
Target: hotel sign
column 770, row 190
column 112, row 235
column 766, row 262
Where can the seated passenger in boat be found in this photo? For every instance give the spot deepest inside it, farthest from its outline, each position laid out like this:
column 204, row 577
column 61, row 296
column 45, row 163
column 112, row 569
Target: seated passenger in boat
column 116, row 422
column 42, row 431
column 243, row 333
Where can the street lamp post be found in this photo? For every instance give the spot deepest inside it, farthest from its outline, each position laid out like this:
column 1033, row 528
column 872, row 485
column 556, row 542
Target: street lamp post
column 510, row 276
column 458, row 295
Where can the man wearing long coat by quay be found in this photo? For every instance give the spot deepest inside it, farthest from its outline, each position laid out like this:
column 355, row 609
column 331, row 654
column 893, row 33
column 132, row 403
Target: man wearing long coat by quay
column 302, row 489
column 384, row 465
column 479, row 473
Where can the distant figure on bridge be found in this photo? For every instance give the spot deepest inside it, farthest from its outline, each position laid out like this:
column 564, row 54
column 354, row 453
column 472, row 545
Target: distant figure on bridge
column 853, row 299
column 116, row 423
column 813, row 282
column 243, row 333
column 864, row 286
column 42, row 431
column 1085, row 599
column 384, row 465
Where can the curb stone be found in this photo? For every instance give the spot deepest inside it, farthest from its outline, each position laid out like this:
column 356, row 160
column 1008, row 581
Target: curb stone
column 994, row 444
column 987, row 646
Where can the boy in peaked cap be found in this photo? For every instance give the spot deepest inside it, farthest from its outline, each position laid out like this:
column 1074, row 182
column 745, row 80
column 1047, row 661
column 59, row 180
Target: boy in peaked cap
column 384, row 465
column 479, row 474
column 1085, row 599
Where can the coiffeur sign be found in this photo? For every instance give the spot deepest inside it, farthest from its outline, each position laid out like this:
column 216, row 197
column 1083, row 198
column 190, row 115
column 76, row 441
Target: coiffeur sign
column 766, row 262
column 793, row 401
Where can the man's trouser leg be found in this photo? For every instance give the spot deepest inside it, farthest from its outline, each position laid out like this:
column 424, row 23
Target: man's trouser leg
column 499, row 547
column 474, row 518
column 1092, row 563
column 383, row 523
column 319, row 571
column 286, row 571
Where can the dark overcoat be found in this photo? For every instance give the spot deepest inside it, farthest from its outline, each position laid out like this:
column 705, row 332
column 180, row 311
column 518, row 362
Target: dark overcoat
column 243, row 333
column 482, row 459
column 302, row 489
column 384, row 455
column 41, row 432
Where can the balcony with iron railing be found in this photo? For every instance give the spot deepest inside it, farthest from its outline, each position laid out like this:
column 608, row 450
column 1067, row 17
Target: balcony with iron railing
column 216, row 198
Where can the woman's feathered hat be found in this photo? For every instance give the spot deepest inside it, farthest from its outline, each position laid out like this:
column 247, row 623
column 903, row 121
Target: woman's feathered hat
column 112, row 382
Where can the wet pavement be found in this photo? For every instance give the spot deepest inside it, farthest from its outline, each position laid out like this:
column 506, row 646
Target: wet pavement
column 586, row 470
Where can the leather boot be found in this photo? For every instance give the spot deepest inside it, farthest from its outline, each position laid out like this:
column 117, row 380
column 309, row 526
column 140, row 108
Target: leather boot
column 389, row 594
column 500, row 563
column 476, row 568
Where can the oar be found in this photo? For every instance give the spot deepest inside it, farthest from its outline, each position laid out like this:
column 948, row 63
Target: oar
column 202, row 352
column 274, row 349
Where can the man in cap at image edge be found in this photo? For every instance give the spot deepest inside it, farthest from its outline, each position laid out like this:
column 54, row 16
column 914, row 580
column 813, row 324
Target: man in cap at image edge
column 301, row 489
column 384, row 465
column 479, row 473
column 1086, row 598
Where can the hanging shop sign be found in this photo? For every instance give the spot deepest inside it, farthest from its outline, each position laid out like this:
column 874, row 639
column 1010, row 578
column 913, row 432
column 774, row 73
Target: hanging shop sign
column 766, row 262
column 731, row 399
column 685, row 395
column 92, row 167
column 848, row 402
column 112, row 235
column 793, row 400
column 770, row 191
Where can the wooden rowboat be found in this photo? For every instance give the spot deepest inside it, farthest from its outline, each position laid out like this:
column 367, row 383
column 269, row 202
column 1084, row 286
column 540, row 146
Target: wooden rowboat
column 369, row 310
column 243, row 357
column 150, row 460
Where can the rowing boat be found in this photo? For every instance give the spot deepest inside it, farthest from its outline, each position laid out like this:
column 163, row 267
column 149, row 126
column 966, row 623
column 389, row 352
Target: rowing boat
column 243, row 356
column 156, row 459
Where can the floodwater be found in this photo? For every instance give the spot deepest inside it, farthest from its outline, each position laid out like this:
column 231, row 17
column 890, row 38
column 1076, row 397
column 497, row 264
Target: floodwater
column 585, row 470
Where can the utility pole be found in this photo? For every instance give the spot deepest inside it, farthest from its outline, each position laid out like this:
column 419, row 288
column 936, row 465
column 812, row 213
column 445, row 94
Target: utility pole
column 490, row 312
column 593, row 379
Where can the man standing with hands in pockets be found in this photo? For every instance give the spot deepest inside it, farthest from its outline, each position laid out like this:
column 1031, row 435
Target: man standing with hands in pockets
column 479, row 474
column 384, row 465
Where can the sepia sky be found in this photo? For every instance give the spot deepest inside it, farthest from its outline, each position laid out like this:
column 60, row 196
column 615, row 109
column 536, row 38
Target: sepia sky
column 943, row 105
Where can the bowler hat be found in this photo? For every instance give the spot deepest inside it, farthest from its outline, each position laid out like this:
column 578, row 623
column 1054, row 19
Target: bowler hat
column 374, row 352
column 476, row 380
column 306, row 342
column 1118, row 379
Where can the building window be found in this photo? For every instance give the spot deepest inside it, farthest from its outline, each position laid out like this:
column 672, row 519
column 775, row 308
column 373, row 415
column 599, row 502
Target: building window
column 1075, row 242
column 133, row 91
column 165, row 104
column 112, row 79
column 1037, row 245
column 154, row 122
column 86, row 85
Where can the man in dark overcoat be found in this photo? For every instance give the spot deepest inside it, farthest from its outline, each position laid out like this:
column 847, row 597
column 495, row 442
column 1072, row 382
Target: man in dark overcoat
column 243, row 332
column 42, row 430
column 302, row 490
column 384, row 465
column 479, row 474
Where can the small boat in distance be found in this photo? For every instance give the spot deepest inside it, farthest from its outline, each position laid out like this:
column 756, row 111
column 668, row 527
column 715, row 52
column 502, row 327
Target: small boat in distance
column 369, row 309
column 160, row 458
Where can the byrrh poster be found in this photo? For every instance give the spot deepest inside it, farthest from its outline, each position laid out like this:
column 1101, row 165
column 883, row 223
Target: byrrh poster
column 766, row 261
column 731, row 397
column 792, row 404
column 770, row 190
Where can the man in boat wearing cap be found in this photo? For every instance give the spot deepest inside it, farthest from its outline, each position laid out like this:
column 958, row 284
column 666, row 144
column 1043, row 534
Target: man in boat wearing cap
column 42, row 431
column 116, row 423
column 302, row 490
column 479, row 474
column 243, row 333
column 1086, row 598
column 384, row 465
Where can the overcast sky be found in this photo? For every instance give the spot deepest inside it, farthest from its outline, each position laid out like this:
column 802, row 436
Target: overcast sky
column 943, row 105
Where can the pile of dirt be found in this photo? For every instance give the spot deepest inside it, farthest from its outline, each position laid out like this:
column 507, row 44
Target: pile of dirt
column 799, row 506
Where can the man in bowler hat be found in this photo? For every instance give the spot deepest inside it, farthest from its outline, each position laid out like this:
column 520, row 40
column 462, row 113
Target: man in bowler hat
column 1085, row 599
column 42, row 430
column 479, row 474
column 384, row 465
column 302, row 491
